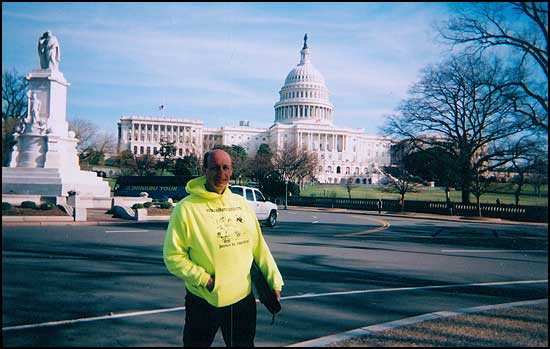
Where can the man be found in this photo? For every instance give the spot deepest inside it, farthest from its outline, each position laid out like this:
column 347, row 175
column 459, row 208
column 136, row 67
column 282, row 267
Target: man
column 212, row 238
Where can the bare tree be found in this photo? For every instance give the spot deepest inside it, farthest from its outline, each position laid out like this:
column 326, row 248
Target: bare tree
column 528, row 152
column 14, row 95
column 539, row 172
column 14, row 109
column 479, row 186
column 517, row 29
column 105, row 142
column 291, row 162
column 401, row 180
column 309, row 167
column 93, row 143
column 455, row 106
column 85, row 131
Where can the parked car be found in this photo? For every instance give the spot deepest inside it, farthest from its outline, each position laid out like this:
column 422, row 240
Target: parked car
column 266, row 211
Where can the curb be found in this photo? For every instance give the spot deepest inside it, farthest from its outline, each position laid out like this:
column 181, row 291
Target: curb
column 365, row 331
column 59, row 223
column 34, row 219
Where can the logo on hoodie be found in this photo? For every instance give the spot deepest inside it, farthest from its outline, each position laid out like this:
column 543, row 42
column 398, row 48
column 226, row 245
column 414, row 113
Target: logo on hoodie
column 229, row 231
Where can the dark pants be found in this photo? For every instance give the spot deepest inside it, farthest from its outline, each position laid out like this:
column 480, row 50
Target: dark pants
column 202, row 321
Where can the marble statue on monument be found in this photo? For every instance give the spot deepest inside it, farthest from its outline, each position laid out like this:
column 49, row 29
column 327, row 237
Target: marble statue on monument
column 49, row 51
column 44, row 160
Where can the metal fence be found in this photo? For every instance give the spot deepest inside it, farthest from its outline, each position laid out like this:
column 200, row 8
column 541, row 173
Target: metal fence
column 510, row 212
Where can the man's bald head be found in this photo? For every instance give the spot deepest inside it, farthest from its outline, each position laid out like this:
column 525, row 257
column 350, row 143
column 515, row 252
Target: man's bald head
column 218, row 170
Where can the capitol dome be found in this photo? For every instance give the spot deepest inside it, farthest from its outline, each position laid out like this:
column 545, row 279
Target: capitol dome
column 305, row 72
column 304, row 98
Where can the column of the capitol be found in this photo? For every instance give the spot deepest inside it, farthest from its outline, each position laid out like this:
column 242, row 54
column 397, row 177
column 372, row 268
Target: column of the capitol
column 44, row 160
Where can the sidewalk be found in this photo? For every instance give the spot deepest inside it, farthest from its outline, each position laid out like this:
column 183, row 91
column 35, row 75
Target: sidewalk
column 95, row 216
column 518, row 324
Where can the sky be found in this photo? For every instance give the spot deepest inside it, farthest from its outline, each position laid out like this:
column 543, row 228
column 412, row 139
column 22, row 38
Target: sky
column 226, row 62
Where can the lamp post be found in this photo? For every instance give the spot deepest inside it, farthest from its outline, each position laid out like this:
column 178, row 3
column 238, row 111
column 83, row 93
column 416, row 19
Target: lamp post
column 286, row 193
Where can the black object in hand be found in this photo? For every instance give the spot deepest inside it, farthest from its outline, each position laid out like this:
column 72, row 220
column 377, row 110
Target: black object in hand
column 266, row 295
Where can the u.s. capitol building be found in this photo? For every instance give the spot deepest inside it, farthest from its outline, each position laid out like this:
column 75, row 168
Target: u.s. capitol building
column 304, row 116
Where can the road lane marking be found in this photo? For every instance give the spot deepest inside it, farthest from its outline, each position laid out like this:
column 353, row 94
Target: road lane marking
column 342, row 293
column 385, row 225
column 307, row 295
column 127, row 231
column 493, row 251
column 95, row 318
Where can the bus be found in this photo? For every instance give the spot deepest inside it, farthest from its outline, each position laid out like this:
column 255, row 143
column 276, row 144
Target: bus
column 157, row 187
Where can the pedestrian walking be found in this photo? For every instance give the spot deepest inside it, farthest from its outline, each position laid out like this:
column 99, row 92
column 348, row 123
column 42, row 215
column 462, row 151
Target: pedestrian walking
column 213, row 237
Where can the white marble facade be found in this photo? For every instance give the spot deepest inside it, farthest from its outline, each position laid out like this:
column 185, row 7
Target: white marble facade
column 303, row 115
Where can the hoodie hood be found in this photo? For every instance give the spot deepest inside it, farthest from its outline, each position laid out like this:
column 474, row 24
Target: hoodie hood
column 197, row 187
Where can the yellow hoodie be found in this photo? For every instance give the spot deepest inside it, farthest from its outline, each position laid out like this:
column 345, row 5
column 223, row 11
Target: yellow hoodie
column 219, row 235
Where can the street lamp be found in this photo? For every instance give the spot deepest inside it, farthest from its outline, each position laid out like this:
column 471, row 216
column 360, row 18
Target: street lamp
column 286, row 193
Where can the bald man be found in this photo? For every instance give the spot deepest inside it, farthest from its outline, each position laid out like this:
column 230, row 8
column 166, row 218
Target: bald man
column 212, row 239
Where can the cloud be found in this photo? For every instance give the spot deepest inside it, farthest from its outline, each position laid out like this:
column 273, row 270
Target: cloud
column 227, row 59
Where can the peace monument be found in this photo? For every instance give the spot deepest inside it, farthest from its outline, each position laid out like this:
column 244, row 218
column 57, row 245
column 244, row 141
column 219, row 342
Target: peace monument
column 44, row 160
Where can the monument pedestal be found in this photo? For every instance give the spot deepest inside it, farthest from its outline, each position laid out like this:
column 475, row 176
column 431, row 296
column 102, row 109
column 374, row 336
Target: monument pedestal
column 52, row 182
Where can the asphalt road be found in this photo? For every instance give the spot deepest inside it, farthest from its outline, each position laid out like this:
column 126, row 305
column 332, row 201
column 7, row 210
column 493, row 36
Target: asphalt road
column 107, row 285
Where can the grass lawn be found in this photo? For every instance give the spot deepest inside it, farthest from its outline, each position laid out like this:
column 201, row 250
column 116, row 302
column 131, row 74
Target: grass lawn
column 425, row 194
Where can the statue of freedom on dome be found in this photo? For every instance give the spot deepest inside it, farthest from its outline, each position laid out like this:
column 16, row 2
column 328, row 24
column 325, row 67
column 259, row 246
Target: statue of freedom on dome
column 305, row 41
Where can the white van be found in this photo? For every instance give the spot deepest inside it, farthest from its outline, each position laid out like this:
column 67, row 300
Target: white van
column 266, row 211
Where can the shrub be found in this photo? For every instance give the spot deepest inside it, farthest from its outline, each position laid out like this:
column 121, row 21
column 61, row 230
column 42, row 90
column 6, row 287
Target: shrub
column 6, row 206
column 136, row 206
column 28, row 204
column 165, row 204
column 46, row 206
column 148, row 204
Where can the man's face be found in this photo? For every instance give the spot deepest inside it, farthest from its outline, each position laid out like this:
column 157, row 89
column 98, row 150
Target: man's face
column 218, row 171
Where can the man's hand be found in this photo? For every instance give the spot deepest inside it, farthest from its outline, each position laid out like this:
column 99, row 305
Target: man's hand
column 278, row 294
column 210, row 284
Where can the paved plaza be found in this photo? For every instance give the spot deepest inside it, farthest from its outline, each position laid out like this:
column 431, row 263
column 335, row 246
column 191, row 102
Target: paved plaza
column 106, row 285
